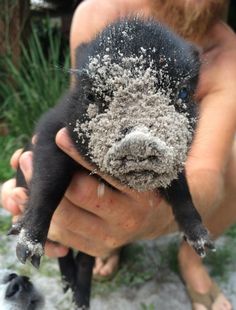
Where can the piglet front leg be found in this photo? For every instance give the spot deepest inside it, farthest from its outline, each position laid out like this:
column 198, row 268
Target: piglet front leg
column 187, row 216
column 52, row 172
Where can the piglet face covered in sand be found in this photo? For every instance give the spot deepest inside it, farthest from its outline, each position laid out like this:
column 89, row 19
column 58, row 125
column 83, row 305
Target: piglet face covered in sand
column 136, row 86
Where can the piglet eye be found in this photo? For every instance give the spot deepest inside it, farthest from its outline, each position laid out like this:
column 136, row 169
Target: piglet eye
column 90, row 97
column 183, row 93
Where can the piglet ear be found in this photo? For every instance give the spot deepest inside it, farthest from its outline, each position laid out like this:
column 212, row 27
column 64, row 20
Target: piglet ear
column 195, row 58
column 83, row 76
column 80, row 77
column 81, row 55
column 196, row 51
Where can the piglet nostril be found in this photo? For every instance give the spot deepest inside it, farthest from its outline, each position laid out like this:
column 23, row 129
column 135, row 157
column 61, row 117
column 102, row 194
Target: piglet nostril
column 16, row 285
column 125, row 131
column 139, row 145
column 11, row 276
column 12, row 289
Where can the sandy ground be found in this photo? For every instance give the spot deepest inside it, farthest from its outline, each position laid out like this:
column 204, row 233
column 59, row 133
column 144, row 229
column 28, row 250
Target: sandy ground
column 163, row 291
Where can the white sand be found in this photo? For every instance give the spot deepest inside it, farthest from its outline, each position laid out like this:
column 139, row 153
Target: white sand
column 132, row 102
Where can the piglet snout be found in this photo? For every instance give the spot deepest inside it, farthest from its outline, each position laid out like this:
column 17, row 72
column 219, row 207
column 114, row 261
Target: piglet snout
column 140, row 145
column 139, row 150
column 17, row 285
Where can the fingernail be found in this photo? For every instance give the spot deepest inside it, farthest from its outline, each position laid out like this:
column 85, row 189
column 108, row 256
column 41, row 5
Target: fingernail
column 12, row 206
column 34, row 139
column 20, row 197
column 62, row 139
column 22, row 207
column 15, row 219
column 26, row 162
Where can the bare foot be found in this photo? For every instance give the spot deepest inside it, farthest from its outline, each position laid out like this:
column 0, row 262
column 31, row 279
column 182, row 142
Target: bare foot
column 105, row 268
column 197, row 278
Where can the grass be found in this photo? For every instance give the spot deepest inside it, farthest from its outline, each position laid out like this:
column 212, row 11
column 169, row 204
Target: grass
column 136, row 268
column 47, row 267
column 141, row 263
column 5, row 223
column 147, row 307
column 169, row 256
column 31, row 89
column 220, row 262
column 35, row 87
column 231, row 232
column 8, row 145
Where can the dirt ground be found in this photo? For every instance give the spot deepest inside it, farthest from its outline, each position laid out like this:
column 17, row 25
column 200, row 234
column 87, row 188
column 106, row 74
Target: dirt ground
column 163, row 290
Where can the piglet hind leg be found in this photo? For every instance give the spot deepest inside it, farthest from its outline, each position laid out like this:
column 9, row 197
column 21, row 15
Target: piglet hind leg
column 52, row 172
column 84, row 270
column 188, row 218
column 76, row 271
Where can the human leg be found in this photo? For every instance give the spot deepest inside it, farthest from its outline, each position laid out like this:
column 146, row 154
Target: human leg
column 192, row 269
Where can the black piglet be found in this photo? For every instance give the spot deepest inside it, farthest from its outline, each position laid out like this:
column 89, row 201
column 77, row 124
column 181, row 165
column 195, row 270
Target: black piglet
column 132, row 114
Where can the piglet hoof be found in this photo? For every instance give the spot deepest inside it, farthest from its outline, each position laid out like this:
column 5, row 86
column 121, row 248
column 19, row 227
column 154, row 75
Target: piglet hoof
column 200, row 240
column 29, row 248
column 35, row 261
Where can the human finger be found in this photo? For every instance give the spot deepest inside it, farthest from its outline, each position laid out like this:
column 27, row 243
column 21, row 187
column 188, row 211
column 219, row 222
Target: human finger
column 77, row 220
column 20, row 196
column 34, row 139
column 55, row 250
column 95, row 196
column 117, row 221
column 114, row 207
column 64, row 142
column 14, row 161
column 81, row 230
column 78, row 242
column 7, row 201
column 25, row 163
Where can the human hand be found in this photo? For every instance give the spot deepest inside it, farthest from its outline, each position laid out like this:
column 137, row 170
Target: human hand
column 205, row 166
column 208, row 158
column 92, row 216
column 96, row 218
column 212, row 146
column 98, row 230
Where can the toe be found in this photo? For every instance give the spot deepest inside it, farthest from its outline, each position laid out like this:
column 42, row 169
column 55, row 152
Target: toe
column 222, row 303
column 110, row 266
column 98, row 265
column 106, row 267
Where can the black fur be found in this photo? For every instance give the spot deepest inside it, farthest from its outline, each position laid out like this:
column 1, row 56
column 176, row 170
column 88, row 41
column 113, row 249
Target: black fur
column 53, row 169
